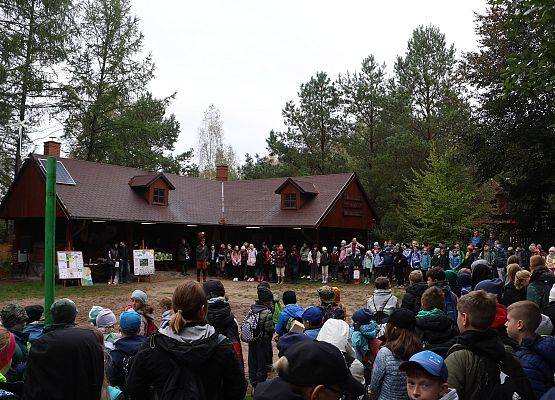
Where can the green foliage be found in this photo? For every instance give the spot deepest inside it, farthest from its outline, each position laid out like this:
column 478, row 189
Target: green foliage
column 442, row 202
column 315, row 129
column 515, row 139
column 264, row 167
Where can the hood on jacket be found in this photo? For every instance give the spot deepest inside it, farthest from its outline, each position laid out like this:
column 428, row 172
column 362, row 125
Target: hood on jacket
column 256, row 308
column 338, row 333
column 193, row 346
column 294, row 311
column 219, row 314
column 130, row 344
column 541, row 274
column 382, row 293
column 275, row 388
column 450, row 395
column 435, row 328
column 487, row 343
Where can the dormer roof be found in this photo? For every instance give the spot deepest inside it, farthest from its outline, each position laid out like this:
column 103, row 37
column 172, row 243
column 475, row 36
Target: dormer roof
column 304, row 187
column 144, row 181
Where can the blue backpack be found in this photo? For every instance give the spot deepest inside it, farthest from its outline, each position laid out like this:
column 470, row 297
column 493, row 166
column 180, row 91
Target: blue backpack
column 450, row 307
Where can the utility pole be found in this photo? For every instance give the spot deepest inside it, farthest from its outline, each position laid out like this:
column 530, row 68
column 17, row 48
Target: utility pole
column 49, row 237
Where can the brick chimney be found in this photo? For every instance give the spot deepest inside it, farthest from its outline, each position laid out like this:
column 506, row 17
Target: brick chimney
column 52, row 148
column 221, row 173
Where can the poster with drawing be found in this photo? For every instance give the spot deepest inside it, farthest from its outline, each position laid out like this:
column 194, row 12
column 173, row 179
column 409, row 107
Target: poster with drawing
column 143, row 262
column 70, row 264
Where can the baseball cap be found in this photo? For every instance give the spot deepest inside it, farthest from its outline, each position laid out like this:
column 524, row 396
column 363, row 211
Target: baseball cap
column 319, row 363
column 130, row 321
column 431, row 362
column 313, row 314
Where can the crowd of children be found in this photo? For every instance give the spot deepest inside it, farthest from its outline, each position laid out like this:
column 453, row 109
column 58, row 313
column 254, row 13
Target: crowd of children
column 473, row 331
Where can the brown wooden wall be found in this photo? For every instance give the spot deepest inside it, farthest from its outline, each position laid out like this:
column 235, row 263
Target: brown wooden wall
column 26, row 197
column 292, row 189
column 351, row 210
column 158, row 184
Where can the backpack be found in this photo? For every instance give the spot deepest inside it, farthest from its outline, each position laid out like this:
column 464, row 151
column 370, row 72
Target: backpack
column 151, row 327
column 249, row 327
column 515, row 383
column 381, row 316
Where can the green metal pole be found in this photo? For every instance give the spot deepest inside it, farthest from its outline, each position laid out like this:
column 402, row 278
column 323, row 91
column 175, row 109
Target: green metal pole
column 49, row 237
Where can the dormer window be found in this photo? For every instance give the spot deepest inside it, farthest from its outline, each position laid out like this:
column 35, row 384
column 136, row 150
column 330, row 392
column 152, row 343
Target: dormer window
column 159, row 196
column 290, row 201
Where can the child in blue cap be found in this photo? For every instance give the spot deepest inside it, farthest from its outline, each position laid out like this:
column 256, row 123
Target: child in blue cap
column 427, row 377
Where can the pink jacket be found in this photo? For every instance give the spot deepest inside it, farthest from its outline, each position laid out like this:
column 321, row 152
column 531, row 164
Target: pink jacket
column 235, row 258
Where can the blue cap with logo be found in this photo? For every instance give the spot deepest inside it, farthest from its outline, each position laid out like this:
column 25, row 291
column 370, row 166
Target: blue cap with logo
column 130, row 321
column 431, row 362
column 313, row 315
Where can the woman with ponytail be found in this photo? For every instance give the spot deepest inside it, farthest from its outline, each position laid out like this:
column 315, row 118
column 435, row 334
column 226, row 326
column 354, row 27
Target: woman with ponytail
column 188, row 356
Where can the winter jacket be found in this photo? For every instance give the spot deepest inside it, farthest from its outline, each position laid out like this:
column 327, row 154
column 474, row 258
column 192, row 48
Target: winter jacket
column 413, row 295
column 368, row 261
column 466, row 370
column 305, row 251
column 222, row 319
column 275, row 389
column 415, row 259
column 511, row 294
column 290, row 311
column 280, row 259
column 426, row 262
column 19, row 359
column 489, row 256
column 251, row 257
column 537, row 356
column 235, row 258
column 312, row 332
column 388, row 258
column 34, row 330
column 436, row 331
column 549, row 310
column 314, row 257
column 541, row 283
column 378, row 260
column 126, row 346
column 183, row 252
column 75, row 351
column 387, row 382
column 382, row 300
column 199, row 349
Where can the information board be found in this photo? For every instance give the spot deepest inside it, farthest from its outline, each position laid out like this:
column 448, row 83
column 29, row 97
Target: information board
column 143, row 262
column 70, row 264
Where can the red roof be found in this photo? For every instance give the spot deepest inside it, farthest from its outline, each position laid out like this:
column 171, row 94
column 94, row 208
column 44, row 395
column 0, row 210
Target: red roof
column 103, row 192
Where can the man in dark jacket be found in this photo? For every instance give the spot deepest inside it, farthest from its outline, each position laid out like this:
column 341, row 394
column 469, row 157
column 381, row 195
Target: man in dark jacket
column 123, row 254
column 125, row 348
column 541, row 282
column 66, row 362
column 202, row 257
column 536, row 353
column 183, row 256
column 220, row 316
column 260, row 350
column 13, row 318
column 436, row 331
column 413, row 294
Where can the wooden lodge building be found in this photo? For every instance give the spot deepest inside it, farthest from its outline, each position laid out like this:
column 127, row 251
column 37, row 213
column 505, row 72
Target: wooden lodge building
column 98, row 204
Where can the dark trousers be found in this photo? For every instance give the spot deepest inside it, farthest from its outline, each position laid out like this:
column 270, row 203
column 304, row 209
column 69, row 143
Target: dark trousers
column 335, row 271
column 260, row 360
column 389, row 271
column 123, row 271
column 184, row 264
column 399, row 275
column 304, row 268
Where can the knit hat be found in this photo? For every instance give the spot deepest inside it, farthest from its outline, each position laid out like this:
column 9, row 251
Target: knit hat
column 493, row 286
column 12, row 314
column 451, row 275
column 363, row 316
column 289, row 339
column 213, row 288
column 402, row 318
column 552, row 294
column 7, row 352
column 63, row 311
column 105, row 319
column 289, row 297
column 264, row 294
column 139, row 295
column 326, row 294
column 130, row 322
column 93, row 313
column 34, row 313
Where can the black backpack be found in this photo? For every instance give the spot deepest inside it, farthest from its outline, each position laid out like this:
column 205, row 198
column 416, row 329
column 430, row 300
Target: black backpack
column 380, row 316
column 515, row 385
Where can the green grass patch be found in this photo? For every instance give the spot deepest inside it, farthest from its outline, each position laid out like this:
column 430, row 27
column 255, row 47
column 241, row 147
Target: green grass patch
column 17, row 290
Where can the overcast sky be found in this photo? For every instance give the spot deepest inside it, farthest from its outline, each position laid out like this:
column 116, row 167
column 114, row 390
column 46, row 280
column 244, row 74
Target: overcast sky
column 249, row 57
